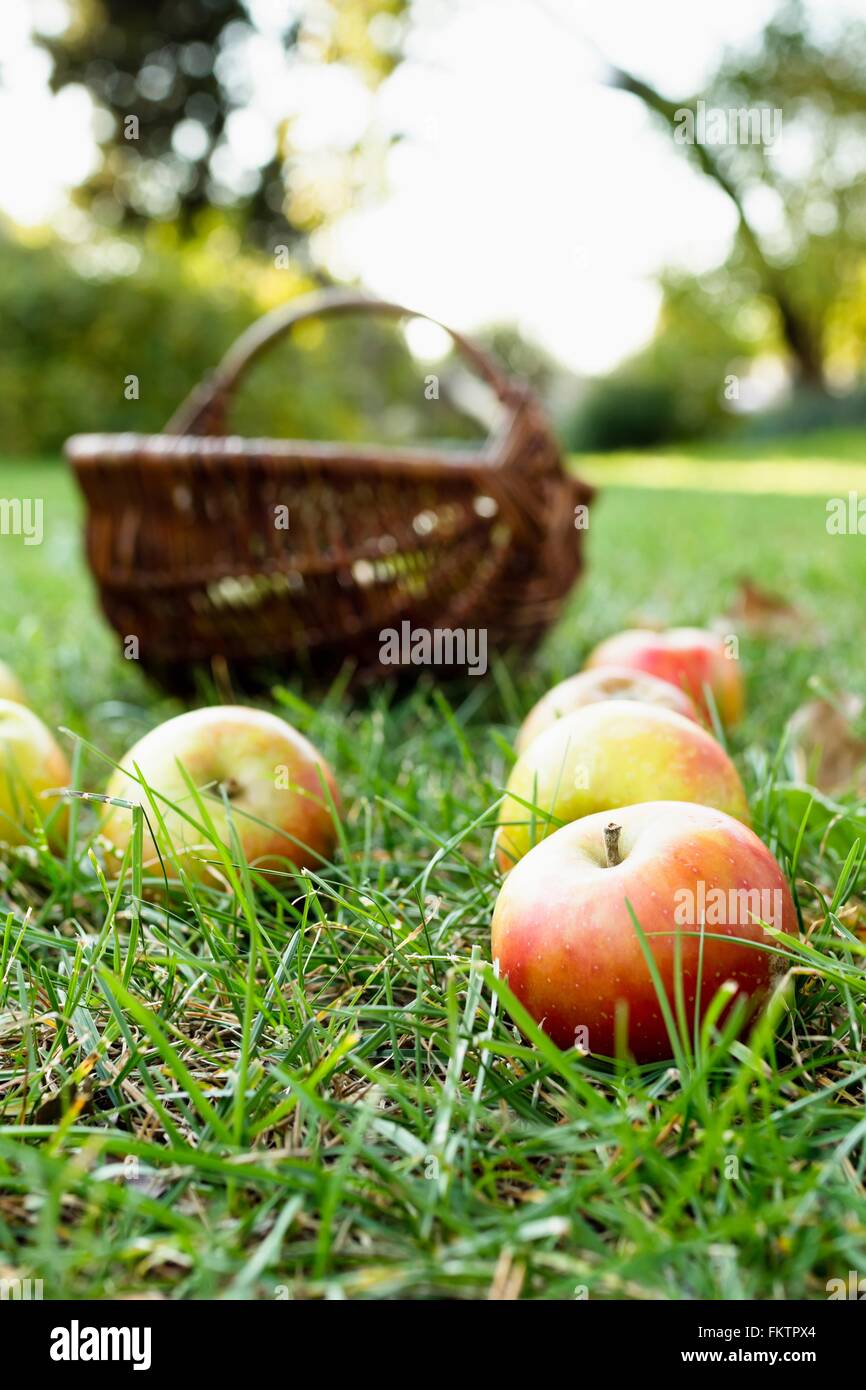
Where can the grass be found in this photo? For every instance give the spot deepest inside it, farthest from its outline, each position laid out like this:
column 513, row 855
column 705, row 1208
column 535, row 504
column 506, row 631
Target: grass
column 825, row 464
column 319, row 1089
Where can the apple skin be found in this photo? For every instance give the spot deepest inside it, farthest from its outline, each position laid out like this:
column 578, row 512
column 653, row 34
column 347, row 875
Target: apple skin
column 242, row 749
column 10, row 686
column 606, row 683
column 613, row 753
column 31, row 762
column 688, row 657
column 566, row 942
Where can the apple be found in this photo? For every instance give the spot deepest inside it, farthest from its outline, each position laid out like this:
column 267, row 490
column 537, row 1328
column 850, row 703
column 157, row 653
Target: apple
column 566, row 942
column 613, row 753
column 10, row 686
column 607, row 683
column 30, row 763
column 687, row 657
column 271, row 776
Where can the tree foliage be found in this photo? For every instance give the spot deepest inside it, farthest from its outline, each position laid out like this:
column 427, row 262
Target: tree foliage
column 167, row 77
column 90, row 346
column 800, row 202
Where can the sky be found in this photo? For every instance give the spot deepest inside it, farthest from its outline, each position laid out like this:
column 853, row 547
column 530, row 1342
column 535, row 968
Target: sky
column 522, row 190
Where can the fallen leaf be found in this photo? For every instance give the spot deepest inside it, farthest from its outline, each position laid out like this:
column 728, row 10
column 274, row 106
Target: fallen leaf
column 53, row 1106
column 759, row 613
column 827, row 752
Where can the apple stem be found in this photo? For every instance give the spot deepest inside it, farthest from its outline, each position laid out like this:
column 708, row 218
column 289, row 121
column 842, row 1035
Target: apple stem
column 611, row 844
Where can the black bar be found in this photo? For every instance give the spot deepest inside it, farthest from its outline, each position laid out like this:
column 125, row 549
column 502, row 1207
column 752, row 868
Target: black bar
column 210, row 1337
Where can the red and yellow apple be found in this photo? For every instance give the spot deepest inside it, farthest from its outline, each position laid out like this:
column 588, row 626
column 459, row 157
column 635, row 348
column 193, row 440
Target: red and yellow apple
column 565, row 938
column 606, row 683
column 272, row 778
column 691, row 659
column 30, row 763
column 10, row 686
column 613, row 753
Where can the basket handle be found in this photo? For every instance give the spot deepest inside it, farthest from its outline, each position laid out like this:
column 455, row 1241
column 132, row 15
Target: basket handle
column 204, row 408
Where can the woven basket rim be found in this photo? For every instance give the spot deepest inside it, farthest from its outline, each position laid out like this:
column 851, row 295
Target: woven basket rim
column 165, row 449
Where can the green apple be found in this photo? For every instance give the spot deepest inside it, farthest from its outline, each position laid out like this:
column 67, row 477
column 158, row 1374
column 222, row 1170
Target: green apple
column 588, row 687
column 10, row 686
column 30, row 763
column 277, row 786
column 614, row 753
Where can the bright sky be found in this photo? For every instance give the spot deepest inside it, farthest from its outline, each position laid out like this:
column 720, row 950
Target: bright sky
column 523, row 190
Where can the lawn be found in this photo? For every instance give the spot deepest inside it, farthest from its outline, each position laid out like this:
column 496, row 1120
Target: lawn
column 317, row 1089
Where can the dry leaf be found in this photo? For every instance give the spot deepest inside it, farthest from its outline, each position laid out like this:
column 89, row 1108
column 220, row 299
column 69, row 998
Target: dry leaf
column 53, row 1106
column 827, row 752
column 759, row 613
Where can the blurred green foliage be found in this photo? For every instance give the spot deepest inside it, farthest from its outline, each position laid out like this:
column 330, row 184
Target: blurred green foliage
column 675, row 387
column 77, row 327
column 177, row 263
column 624, row 411
column 792, row 290
column 168, row 76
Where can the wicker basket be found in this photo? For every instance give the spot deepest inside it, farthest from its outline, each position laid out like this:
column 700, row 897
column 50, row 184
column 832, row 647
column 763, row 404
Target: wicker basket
column 187, row 538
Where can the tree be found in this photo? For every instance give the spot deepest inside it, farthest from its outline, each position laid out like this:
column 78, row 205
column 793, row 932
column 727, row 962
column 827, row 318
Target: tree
column 808, row 256
column 168, row 76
